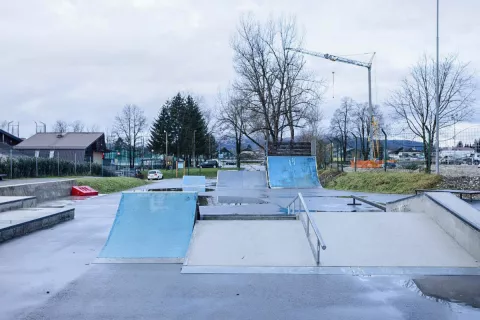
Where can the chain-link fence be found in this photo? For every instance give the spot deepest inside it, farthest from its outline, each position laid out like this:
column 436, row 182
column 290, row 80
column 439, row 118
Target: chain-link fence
column 403, row 151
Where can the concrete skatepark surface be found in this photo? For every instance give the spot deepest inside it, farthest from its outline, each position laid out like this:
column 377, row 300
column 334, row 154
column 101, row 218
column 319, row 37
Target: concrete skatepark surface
column 249, row 243
column 292, row 172
column 50, row 275
column 151, row 225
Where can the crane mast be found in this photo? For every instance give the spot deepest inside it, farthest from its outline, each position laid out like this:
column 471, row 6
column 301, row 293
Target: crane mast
column 367, row 65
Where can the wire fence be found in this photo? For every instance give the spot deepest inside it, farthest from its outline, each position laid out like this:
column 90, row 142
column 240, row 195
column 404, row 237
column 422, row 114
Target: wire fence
column 403, row 151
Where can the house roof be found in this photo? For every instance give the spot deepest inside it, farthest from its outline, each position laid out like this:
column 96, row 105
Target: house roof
column 53, row 140
column 11, row 136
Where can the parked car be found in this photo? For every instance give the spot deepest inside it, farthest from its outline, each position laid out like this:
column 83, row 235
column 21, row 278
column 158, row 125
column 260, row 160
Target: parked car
column 154, row 175
column 231, row 162
column 389, row 165
column 209, row 164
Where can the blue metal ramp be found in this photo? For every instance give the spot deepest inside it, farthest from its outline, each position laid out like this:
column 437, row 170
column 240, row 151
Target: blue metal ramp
column 155, row 225
column 292, row 172
column 194, row 183
column 233, row 179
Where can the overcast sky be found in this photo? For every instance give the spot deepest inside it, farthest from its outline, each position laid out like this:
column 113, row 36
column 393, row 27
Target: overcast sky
column 84, row 59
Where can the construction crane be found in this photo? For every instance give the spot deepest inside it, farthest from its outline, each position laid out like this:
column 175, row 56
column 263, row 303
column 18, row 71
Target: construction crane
column 367, row 65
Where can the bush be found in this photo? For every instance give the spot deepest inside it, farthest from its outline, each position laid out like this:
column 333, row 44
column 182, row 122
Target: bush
column 27, row 168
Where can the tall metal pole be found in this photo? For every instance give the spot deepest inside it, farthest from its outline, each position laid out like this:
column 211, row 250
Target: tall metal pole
column 437, row 100
column 166, row 149
column 370, row 113
column 193, row 149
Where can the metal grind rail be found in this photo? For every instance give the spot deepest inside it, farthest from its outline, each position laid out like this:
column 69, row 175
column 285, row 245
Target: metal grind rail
column 319, row 243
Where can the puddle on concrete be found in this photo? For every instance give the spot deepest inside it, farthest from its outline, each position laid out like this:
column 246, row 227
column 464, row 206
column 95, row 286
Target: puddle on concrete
column 462, row 291
column 228, row 201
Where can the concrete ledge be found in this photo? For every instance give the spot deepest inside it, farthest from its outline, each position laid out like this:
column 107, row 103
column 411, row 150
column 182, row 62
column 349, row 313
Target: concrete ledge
column 43, row 191
column 45, row 218
column 354, row 271
column 14, row 203
column 248, row 217
column 140, row 260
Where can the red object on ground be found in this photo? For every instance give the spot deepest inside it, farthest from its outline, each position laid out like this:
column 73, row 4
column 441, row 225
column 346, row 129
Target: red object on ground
column 83, row 191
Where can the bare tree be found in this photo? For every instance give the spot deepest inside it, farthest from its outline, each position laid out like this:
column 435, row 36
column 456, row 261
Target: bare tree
column 361, row 125
column 129, row 124
column 414, row 102
column 77, row 126
column 93, row 128
column 60, row 126
column 232, row 118
column 340, row 124
column 279, row 90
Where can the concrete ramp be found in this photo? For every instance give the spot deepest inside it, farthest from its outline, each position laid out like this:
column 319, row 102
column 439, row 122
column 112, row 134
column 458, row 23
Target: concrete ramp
column 233, row 179
column 194, row 183
column 457, row 218
column 249, row 243
column 151, row 225
column 292, row 172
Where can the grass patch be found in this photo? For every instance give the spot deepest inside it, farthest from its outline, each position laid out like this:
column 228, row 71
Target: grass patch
column 384, row 182
column 207, row 172
column 111, row 184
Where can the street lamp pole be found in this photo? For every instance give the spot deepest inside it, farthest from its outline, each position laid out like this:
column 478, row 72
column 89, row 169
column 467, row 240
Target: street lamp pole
column 437, row 100
column 166, row 148
column 194, row 145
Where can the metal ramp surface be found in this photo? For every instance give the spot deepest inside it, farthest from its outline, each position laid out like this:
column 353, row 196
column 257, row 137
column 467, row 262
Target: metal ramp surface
column 292, row 172
column 194, row 183
column 233, row 179
column 151, row 225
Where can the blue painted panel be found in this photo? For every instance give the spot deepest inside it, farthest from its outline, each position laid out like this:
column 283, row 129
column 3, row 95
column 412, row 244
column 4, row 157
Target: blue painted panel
column 292, row 172
column 194, row 183
column 152, row 225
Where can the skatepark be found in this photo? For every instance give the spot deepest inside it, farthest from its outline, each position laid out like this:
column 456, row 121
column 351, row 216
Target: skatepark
column 161, row 253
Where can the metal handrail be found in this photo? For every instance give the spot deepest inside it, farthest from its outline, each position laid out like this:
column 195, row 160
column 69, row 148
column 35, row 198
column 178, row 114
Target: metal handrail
column 320, row 243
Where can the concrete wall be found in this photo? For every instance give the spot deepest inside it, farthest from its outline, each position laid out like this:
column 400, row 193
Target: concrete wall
column 450, row 213
column 43, row 191
column 27, row 227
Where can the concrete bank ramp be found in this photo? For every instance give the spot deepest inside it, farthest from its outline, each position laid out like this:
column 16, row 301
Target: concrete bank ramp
column 457, row 218
column 155, row 226
column 292, row 172
column 233, row 179
column 249, row 243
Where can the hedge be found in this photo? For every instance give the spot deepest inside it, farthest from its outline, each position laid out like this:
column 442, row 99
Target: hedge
column 27, row 168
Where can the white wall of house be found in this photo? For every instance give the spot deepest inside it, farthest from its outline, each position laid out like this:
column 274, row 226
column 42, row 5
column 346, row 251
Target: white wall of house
column 97, row 157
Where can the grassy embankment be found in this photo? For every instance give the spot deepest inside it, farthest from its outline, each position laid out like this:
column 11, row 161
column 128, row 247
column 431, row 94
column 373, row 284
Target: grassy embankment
column 379, row 182
column 111, row 184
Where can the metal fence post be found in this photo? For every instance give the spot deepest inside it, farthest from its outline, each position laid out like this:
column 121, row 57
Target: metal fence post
column 385, row 152
column 36, row 166
column 58, row 163
column 75, row 167
column 11, row 164
column 91, row 159
column 356, row 154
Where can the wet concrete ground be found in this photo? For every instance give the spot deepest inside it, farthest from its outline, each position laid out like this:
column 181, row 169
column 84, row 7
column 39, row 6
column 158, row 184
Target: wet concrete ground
column 50, row 275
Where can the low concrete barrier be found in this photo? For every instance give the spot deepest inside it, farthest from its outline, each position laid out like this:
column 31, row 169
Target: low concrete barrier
column 43, row 191
column 456, row 217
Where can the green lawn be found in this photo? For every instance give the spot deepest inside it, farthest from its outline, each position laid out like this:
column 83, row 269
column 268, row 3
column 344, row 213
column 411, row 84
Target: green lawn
column 111, row 184
column 384, row 182
column 207, row 172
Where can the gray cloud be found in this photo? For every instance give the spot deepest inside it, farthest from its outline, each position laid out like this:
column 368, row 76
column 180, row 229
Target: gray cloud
column 85, row 59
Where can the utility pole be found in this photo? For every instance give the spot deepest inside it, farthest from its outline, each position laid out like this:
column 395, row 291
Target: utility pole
column 194, row 162
column 437, row 100
column 166, row 148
